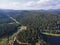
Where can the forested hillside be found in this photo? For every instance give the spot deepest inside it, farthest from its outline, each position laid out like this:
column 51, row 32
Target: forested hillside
column 36, row 22
column 38, row 19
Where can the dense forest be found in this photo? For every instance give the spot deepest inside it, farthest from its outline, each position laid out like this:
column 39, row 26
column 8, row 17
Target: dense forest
column 38, row 20
column 35, row 21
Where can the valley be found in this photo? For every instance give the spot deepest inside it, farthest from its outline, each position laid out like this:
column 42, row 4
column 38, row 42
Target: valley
column 29, row 28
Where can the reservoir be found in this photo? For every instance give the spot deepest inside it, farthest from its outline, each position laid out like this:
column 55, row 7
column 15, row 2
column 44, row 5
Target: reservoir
column 52, row 40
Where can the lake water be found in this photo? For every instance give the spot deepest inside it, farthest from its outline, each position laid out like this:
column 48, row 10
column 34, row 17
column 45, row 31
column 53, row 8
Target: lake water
column 52, row 40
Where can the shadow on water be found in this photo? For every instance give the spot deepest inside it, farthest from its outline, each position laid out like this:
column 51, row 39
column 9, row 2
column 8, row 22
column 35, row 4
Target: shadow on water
column 52, row 40
column 8, row 33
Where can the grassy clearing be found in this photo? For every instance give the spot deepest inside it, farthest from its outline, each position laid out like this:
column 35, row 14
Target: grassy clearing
column 4, row 41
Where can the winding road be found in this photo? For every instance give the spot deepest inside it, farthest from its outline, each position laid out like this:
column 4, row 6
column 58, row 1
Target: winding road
column 14, row 36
